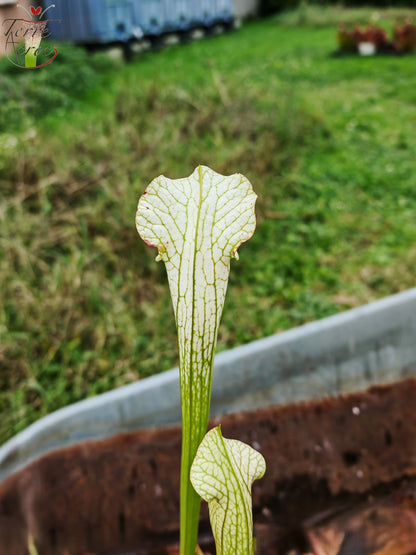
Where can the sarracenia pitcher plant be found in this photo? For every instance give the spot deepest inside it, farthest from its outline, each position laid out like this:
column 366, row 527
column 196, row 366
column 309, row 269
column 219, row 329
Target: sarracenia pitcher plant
column 197, row 224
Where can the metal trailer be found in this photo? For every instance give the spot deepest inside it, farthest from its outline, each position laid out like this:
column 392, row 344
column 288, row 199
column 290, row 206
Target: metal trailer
column 94, row 21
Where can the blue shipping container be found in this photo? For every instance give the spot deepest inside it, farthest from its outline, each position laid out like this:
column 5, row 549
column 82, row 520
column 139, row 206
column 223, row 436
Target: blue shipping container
column 224, row 11
column 107, row 21
column 178, row 15
column 93, row 21
column 149, row 15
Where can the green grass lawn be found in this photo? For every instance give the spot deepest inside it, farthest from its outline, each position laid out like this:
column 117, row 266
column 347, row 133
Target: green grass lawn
column 328, row 143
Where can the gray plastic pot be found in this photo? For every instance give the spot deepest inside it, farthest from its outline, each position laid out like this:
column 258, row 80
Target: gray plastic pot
column 371, row 345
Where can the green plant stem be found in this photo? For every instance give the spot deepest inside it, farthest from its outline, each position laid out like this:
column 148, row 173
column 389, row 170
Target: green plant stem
column 193, row 431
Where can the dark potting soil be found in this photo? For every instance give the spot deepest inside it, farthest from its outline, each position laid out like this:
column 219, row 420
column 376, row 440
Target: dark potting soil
column 340, row 480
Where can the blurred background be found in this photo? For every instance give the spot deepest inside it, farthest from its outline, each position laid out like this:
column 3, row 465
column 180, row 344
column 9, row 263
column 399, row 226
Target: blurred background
column 326, row 136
